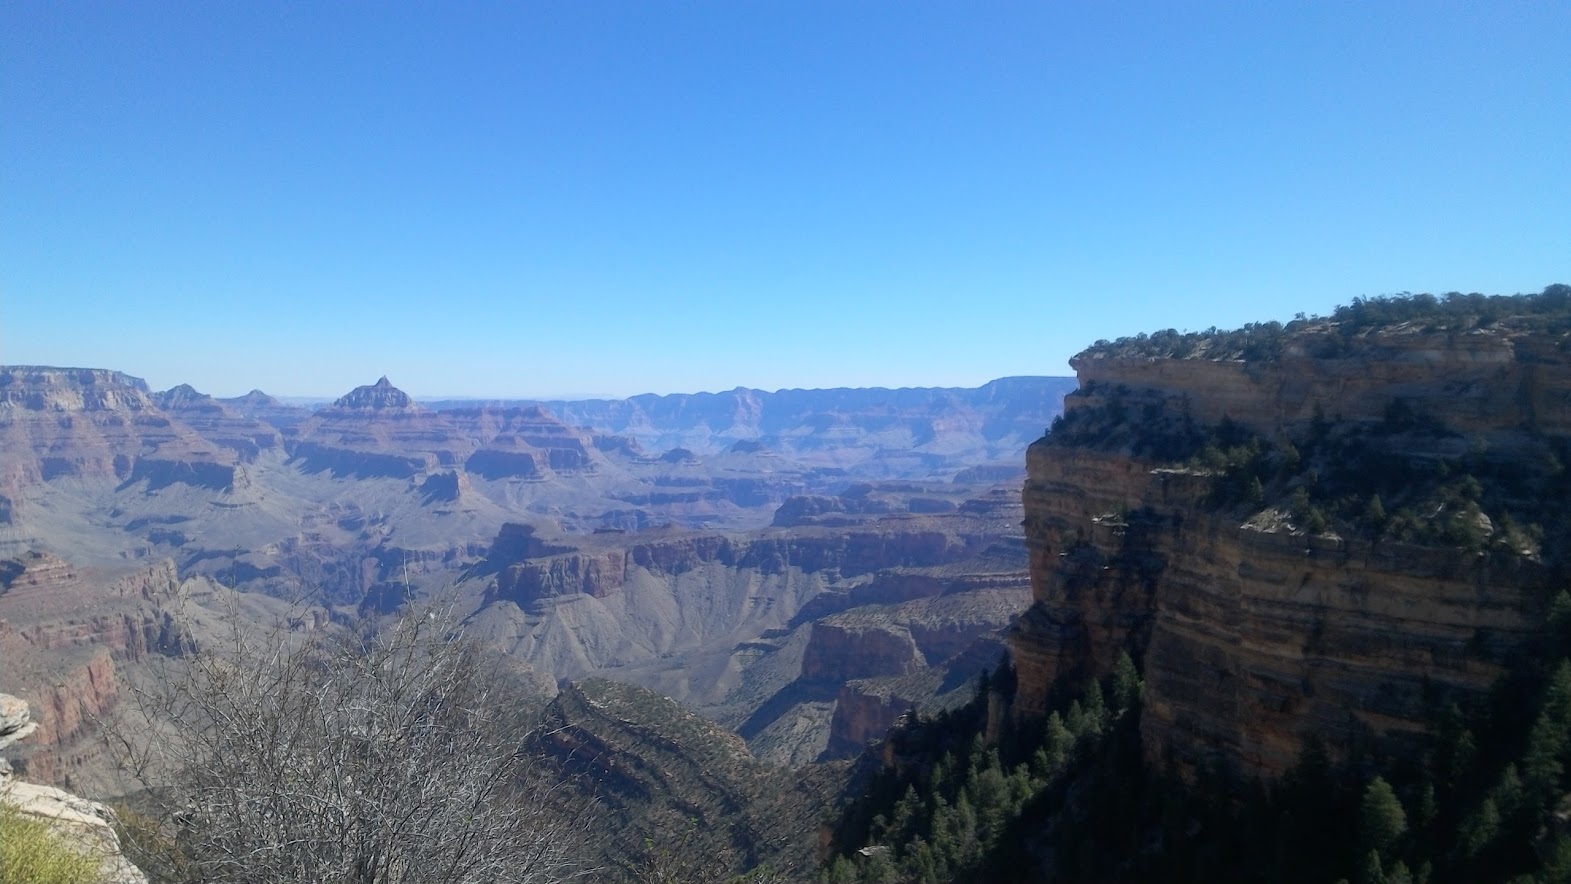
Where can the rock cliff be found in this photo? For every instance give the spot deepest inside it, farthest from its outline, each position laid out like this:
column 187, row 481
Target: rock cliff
column 65, row 636
column 216, row 422
column 378, row 430
column 86, row 826
column 1222, row 520
column 92, row 423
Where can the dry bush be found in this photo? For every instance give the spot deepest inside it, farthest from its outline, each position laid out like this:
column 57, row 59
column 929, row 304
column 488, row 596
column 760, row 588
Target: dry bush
column 386, row 753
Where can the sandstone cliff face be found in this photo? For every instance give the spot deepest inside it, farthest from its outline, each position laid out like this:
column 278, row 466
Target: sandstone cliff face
column 1486, row 382
column 1256, row 635
column 601, row 572
column 60, row 422
column 377, row 430
column 65, row 636
column 841, row 652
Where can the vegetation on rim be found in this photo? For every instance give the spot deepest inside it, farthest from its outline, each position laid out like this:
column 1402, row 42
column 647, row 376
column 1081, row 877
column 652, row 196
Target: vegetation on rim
column 383, row 753
column 34, row 852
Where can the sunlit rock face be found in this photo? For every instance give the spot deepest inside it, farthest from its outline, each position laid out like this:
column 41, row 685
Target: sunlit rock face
column 92, row 423
column 1255, row 635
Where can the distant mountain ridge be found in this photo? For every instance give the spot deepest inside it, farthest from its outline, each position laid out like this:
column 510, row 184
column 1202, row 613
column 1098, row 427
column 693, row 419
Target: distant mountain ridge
column 990, row 423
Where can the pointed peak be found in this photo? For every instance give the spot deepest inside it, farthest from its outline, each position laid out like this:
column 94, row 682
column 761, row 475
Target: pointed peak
column 254, row 399
column 182, row 396
column 181, row 393
column 379, row 395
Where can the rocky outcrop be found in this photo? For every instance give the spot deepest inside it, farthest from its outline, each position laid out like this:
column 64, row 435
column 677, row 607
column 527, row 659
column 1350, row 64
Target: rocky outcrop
column 448, row 486
column 265, row 409
column 492, row 463
column 842, row 652
column 1488, row 382
column 379, row 396
column 217, row 423
column 863, row 716
column 924, row 651
column 86, row 826
column 64, row 636
column 379, row 431
column 1254, row 633
column 15, row 720
column 91, row 423
column 601, row 564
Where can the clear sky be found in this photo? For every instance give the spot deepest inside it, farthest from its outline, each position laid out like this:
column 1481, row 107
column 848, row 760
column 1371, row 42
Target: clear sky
column 586, row 197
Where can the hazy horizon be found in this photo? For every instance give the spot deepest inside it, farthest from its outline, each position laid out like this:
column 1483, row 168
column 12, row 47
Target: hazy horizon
column 314, row 399
column 495, row 198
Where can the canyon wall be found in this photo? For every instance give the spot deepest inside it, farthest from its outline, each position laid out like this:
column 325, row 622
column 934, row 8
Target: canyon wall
column 1254, row 633
column 65, row 638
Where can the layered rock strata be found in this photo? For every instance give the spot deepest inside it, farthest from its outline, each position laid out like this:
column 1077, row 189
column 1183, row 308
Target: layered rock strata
column 91, row 423
column 1256, row 635
column 64, row 637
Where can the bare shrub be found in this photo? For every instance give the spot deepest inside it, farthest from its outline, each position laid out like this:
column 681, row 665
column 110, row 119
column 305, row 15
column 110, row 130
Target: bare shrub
column 385, row 753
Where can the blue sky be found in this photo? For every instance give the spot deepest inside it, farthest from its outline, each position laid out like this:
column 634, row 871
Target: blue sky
column 532, row 198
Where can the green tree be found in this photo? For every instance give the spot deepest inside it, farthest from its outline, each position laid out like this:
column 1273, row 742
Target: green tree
column 1369, row 871
column 840, row 871
column 1375, row 517
column 1481, row 828
column 1543, row 764
column 1057, row 743
column 1126, row 684
column 1381, row 818
column 1560, row 615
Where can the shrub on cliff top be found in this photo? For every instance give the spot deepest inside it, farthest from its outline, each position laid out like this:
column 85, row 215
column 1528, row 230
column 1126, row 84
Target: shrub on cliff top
column 379, row 755
column 1549, row 310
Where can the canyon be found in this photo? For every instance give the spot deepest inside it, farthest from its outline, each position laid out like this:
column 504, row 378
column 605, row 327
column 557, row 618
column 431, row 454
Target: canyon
column 1300, row 543
column 700, row 570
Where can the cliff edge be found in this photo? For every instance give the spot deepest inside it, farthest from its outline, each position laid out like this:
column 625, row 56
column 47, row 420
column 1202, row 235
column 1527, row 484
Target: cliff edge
column 1319, row 532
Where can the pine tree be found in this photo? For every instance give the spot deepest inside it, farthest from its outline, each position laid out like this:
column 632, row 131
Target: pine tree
column 1057, row 743
column 1126, row 684
column 1369, row 871
column 1543, row 766
column 904, row 814
column 1075, row 719
column 1095, row 708
column 1560, row 616
column 1381, row 817
column 1375, row 517
column 840, row 871
column 1480, row 828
